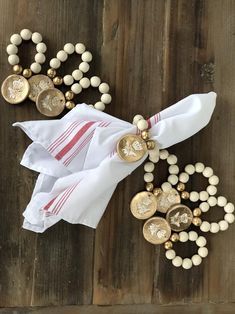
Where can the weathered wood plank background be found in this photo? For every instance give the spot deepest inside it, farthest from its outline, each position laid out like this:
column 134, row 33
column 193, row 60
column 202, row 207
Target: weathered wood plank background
column 153, row 53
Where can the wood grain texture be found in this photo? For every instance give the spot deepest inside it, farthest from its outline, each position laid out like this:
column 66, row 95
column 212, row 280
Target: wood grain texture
column 153, row 53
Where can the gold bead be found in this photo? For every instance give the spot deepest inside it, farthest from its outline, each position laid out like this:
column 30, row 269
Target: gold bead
column 149, row 186
column 69, row 95
column 145, row 135
column 51, row 73
column 168, row 245
column 175, row 237
column 17, row 69
column 185, row 195
column 150, row 145
column 180, row 187
column 57, row 80
column 69, row 104
column 27, row 73
column 197, row 212
column 157, row 191
column 197, row 221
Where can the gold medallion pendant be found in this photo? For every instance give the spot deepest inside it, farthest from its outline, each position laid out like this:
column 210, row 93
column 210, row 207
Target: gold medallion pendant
column 143, row 205
column 15, row 89
column 37, row 84
column 131, row 148
column 156, row 230
column 179, row 217
column 166, row 199
column 50, row 102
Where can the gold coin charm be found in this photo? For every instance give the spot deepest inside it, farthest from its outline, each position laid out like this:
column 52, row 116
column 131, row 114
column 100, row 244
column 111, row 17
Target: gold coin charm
column 143, row 205
column 131, row 148
column 179, row 217
column 156, row 230
column 50, row 102
column 166, row 199
column 15, row 89
column 37, row 84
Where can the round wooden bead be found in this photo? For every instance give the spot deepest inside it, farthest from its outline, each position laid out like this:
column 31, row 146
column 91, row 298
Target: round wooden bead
column 221, row 201
column 142, row 125
column 172, row 179
column 99, row 106
column 207, row 172
column 13, row 59
column 203, row 252
column 51, row 73
column 36, row 37
column 171, row 159
column 194, row 196
column 229, row 208
column 62, row 55
column 84, row 67
column 106, row 98
column 229, row 218
column 69, row 48
column 173, row 169
column 41, row 47
column 214, row 180
column 211, row 189
column 183, row 236
column 86, row 56
column 149, row 166
column 68, row 80
column 170, row 254
column 214, row 227
column 203, row 196
column 69, row 95
column 40, row 58
column 201, row 241
column 204, row 206
column 16, row 39
column 177, row 261
column 104, row 88
column 26, row 34
column 187, row 263
column 69, row 104
column 149, row 186
column 55, row 63
column 80, row 48
column 137, row 118
column 192, row 235
column 85, row 82
column 35, row 67
column 183, row 177
column 199, row 167
column 223, row 225
column 17, row 69
column 27, row 73
column 12, row 49
column 76, row 88
column 212, row 201
column 196, row 259
column 180, row 187
column 77, row 75
column 164, row 154
column 190, row 169
column 205, row 226
column 148, row 177
column 166, row 186
column 95, row 81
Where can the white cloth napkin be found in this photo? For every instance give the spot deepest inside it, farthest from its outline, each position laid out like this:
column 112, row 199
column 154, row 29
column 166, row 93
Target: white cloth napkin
column 77, row 160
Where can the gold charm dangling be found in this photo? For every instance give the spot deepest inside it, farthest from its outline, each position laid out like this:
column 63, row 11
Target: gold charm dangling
column 131, row 148
column 15, row 89
column 143, row 205
column 50, row 102
column 179, row 217
column 156, row 230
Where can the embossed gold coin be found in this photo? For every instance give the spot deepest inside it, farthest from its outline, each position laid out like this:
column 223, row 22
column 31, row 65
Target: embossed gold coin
column 15, row 89
column 143, row 205
column 179, row 217
column 166, row 199
column 131, row 148
column 156, row 230
column 50, row 102
column 37, row 84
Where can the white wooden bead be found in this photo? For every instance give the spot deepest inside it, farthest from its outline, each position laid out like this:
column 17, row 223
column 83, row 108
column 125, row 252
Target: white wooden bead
column 199, row 167
column 196, row 259
column 16, row 39
column 68, row 80
column 148, row 177
column 214, row 180
column 229, row 208
column 204, row 206
column 203, row 195
column 194, row 196
column 12, row 49
column 84, row 67
column 171, row 159
column 214, row 227
column 154, row 154
column 229, row 218
column 203, row 252
column 183, row 236
column 221, row 201
column 41, row 47
column 62, row 55
column 164, row 154
column 106, row 98
column 170, row 254
column 86, row 56
column 99, row 106
column 69, row 48
column 35, row 67
column 77, row 74
column 205, row 226
column 26, row 34
column 211, row 189
column 201, row 241
column 36, row 37
column 187, row 263
column 223, row 225
column 95, row 81
column 40, row 58
column 142, row 125
column 166, row 186
column 55, row 63
column 149, row 166
column 172, row 179
column 92, row 106
column 76, row 88
column 207, row 172
column 190, row 169
column 183, row 177
column 13, row 59
column 177, row 261
column 137, row 118
column 212, row 201
column 104, row 88
column 85, row 82
column 80, row 48
column 173, row 169
column 192, row 235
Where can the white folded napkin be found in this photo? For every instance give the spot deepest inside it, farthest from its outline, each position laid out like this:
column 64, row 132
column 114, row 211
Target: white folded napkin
column 77, row 160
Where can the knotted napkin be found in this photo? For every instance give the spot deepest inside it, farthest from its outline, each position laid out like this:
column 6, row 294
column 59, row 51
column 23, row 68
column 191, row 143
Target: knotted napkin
column 77, row 160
